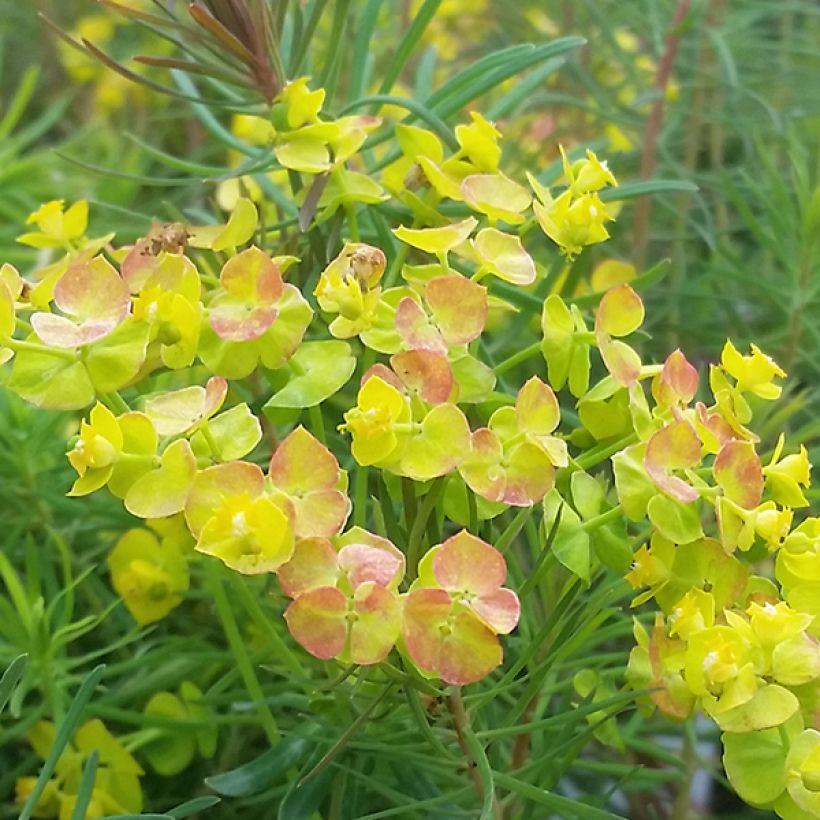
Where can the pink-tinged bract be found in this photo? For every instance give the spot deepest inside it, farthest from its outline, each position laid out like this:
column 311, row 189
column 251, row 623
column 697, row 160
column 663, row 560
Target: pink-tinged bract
column 519, row 477
column 446, row 639
column 500, row 609
column 363, row 563
column 467, row 564
column 416, row 329
column 739, row 473
column 677, row 382
column 674, row 447
column 621, row 361
column 357, row 536
column 94, row 297
column 253, row 285
column 312, row 565
column 305, row 470
column 316, row 620
column 425, row 372
column 459, row 308
column 377, row 625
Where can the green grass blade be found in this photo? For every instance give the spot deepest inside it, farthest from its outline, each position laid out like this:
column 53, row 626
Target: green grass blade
column 11, row 677
column 86, row 786
column 420, row 22
column 64, row 733
column 365, row 26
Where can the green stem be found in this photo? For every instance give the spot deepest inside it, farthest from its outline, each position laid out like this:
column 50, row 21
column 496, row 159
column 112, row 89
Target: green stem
column 21, row 346
column 603, row 452
column 240, row 653
column 116, row 401
column 317, row 422
column 420, row 522
column 352, row 220
column 360, row 495
column 408, row 497
column 602, row 519
column 517, row 358
column 396, row 265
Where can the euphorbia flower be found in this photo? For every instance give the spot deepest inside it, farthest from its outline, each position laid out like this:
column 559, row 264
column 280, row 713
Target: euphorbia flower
column 373, row 422
column 246, row 308
column 116, row 785
column 277, row 343
column 348, row 286
column 420, row 443
column 308, row 474
column 785, row 476
column 754, row 373
column 573, row 224
column 58, row 227
column 345, row 601
column 232, row 518
column 112, row 450
column 513, row 459
column 720, row 668
column 803, row 773
column 168, row 292
column 94, row 299
column 150, row 577
column 456, row 608
column 479, row 141
column 586, row 175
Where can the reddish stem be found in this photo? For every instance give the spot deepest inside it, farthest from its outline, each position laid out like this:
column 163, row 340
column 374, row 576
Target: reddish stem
column 653, row 128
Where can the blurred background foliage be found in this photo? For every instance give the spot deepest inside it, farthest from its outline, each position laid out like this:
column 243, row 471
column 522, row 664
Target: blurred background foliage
column 722, row 95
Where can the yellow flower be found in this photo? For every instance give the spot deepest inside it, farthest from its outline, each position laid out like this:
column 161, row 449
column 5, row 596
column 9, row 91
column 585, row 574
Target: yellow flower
column 573, row 223
column 692, row 613
column 784, row 476
column 753, row 373
column 372, row 422
column 150, row 577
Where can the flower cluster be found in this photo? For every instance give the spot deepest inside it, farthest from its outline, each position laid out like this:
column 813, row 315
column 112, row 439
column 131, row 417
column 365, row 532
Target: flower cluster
column 173, row 343
column 117, row 783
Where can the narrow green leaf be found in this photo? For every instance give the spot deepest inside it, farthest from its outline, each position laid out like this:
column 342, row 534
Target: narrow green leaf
column 86, row 786
column 11, row 677
column 420, row 111
column 365, row 26
column 484, row 771
column 190, row 807
column 420, row 22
